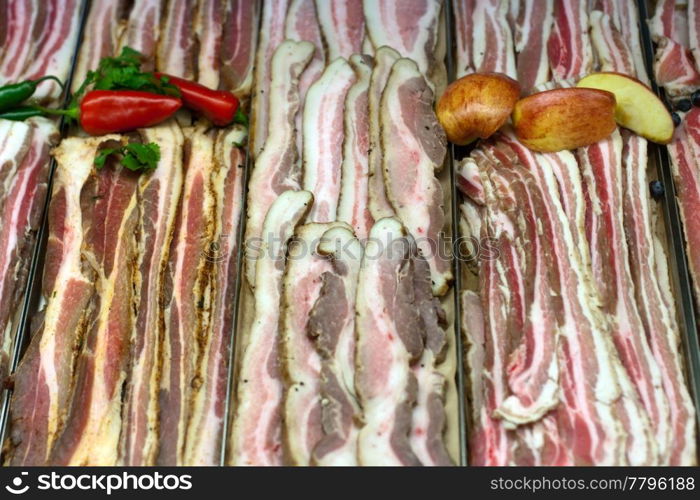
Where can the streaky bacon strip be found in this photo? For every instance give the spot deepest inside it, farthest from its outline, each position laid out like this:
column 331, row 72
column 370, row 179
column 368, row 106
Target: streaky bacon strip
column 21, row 17
column 625, row 17
column 43, row 380
column 658, row 317
column 159, row 194
column 343, row 26
column 532, row 28
column 569, row 47
column 662, row 25
column 492, row 43
column 176, row 43
column 323, row 138
column 694, row 30
column 353, row 201
column 256, row 437
column 208, row 28
column 276, row 168
column 674, row 69
column 609, row 44
column 143, row 30
column 464, row 26
column 240, row 38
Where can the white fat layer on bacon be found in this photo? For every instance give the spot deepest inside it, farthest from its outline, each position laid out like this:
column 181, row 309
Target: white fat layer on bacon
column 343, row 25
column 492, row 40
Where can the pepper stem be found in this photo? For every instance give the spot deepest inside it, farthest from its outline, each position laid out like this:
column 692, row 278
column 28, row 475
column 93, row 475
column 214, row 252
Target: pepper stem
column 51, row 77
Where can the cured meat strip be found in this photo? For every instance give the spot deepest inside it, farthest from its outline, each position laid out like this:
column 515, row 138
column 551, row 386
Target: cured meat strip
column 625, row 17
column 142, row 30
column 389, row 341
column 332, row 324
column 159, row 194
column 602, row 172
column 43, row 379
column 176, row 42
column 463, row 14
column 343, row 26
column 323, row 138
column 414, row 148
column 694, row 30
column 411, row 28
column 532, row 28
column 276, row 168
column 610, row 47
column 468, row 180
column 100, row 37
column 186, row 298
column 271, row 35
column 205, row 427
column 569, row 47
column 22, row 17
column 492, row 43
column 472, row 324
column 240, row 38
column 657, row 316
column 662, row 24
column 256, row 435
column 93, row 423
column 674, row 69
column 352, row 205
column 378, row 203
column 24, row 149
column 301, row 362
column 208, row 27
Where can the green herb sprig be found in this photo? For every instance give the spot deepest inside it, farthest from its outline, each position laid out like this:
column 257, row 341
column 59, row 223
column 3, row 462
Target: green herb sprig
column 134, row 156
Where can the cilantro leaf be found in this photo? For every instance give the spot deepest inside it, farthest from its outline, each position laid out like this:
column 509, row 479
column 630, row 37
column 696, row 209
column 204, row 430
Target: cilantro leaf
column 240, row 117
column 134, row 156
column 101, row 157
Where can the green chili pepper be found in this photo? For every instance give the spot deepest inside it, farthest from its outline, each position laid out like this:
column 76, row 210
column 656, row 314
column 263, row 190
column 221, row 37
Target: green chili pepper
column 21, row 113
column 14, row 94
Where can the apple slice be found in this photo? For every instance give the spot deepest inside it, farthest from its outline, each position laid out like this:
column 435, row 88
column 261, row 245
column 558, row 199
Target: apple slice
column 561, row 119
column 637, row 108
column 476, row 106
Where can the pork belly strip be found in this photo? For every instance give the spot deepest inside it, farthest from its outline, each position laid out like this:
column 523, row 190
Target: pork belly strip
column 208, row 28
column 602, row 172
column 323, row 128
column 353, row 200
column 271, row 35
column 210, row 384
column 256, row 432
column 175, row 54
column 531, row 32
column 276, row 169
column 674, row 69
column 25, row 151
column 492, row 40
column 389, row 341
column 240, row 39
column 159, row 193
column 332, row 325
column 302, row 25
column 658, row 317
column 301, row 363
column 44, row 377
column 662, row 24
column 379, row 205
column 142, row 30
column 610, row 47
column 343, row 26
column 569, row 47
column 694, row 30
column 100, row 37
column 110, row 217
column 411, row 28
column 463, row 11
column 22, row 18
column 185, row 297
column 414, row 148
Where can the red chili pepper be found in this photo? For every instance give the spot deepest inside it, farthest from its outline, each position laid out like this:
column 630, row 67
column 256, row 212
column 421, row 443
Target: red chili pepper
column 110, row 111
column 218, row 106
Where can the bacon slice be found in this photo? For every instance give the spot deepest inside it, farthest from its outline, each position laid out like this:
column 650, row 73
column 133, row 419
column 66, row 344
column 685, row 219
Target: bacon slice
column 343, row 25
column 674, row 69
column 143, row 30
column 464, row 26
column 240, row 38
column 378, row 203
column 43, row 380
column 323, row 138
column 625, row 18
column 532, row 28
column 352, row 204
column 186, row 298
column 609, row 44
column 492, row 44
column 176, row 42
column 22, row 16
column 332, row 324
column 256, row 435
column 159, row 194
column 468, row 180
column 694, row 30
column 663, row 23
column 569, row 47
column 414, row 148
column 100, row 37
column 411, row 28
column 208, row 28
column 205, row 426
column 389, row 341
column 276, row 168
column 271, row 35
column 657, row 315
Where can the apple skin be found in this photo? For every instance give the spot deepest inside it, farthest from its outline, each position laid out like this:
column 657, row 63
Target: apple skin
column 476, row 106
column 561, row 119
column 637, row 106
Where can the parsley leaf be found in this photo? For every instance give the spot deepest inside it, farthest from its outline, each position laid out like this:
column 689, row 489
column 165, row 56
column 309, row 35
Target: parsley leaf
column 240, row 117
column 134, row 156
